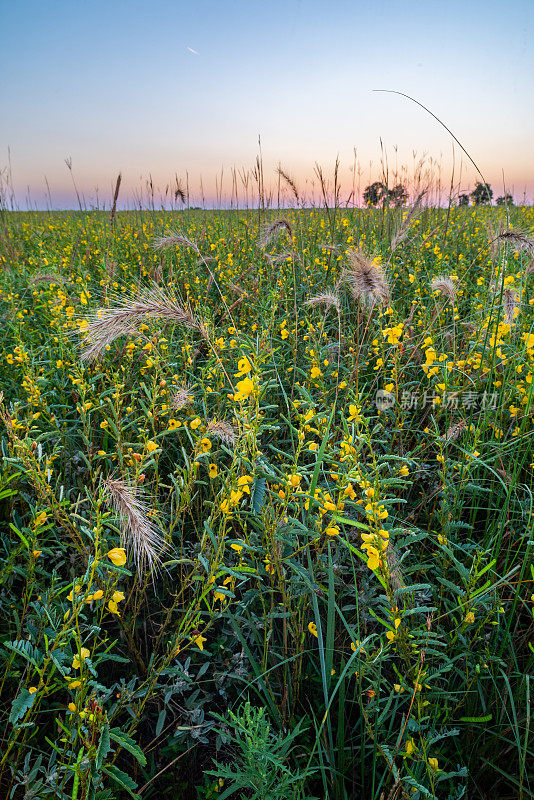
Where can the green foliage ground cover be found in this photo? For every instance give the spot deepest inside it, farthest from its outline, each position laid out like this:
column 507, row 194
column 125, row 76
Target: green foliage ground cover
column 213, row 511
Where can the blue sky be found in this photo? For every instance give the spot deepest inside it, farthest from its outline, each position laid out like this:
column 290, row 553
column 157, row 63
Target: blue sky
column 114, row 86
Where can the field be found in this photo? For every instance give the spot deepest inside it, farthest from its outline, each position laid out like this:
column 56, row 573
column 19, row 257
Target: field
column 266, row 504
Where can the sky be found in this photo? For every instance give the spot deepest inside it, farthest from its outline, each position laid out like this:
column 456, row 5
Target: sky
column 166, row 88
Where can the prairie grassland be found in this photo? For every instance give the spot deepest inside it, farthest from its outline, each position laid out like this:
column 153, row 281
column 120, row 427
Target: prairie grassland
column 266, row 490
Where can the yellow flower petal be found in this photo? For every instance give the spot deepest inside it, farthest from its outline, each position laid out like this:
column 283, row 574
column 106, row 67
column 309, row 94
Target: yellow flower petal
column 113, row 607
column 118, row 556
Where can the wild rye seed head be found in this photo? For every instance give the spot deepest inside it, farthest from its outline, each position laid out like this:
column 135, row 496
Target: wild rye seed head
column 47, row 277
column 454, row 431
column 520, row 239
column 173, row 240
column 445, row 285
column 107, row 324
column 271, row 232
column 279, row 257
column 366, row 280
column 510, row 300
column 290, row 182
column 139, row 535
column 181, row 398
column 223, row 431
column 412, row 214
column 328, row 299
column 110, row 269
column 395, row 572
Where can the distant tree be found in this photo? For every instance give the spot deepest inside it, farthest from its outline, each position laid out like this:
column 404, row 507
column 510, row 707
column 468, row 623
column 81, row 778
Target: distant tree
column 482, row 193
column 463, row 200
column 374, row 193
column 398, row 195
column 506, row 200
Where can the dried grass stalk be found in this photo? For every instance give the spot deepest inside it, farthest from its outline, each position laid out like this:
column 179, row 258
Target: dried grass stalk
column 455, row 431
column 115, row 198
column 366, row 280
column 235, row 289
column 179, row 192
column 223, row 431
column 290, row 182
column 497, row 285
column 174, row 240
column 510, row 303
column 279, row 257
column 328, row 299
column 110, row 268
column 271, row 232
column 395, row 572
column 446, row 286
column 521, row 240
column 332, row 248
column 504, row 475
column 412, row 214
column 181, row 398
column 469, row 326
column 510, row 298
column 109, row 323
column 138, row 534
column 47, row 277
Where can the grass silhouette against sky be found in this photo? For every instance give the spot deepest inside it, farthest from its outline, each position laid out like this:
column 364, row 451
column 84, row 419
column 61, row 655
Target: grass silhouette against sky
column 167, row 87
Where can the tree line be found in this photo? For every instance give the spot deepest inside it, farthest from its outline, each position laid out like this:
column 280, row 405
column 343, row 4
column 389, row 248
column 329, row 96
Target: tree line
column 377, row 194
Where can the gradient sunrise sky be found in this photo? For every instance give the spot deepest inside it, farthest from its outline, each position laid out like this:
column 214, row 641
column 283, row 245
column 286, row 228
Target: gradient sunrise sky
column 167, row 87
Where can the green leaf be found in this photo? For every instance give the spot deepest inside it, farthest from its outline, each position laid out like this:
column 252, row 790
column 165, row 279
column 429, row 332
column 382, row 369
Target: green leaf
column 104, row 746
column 113, row 657
column 55, row 656
column 128, row 743
column 19, row 534
column 347, row 521
column 22, row 702
column 26, row 650
column 122, row 779
column 161, row 721
column 258, row 494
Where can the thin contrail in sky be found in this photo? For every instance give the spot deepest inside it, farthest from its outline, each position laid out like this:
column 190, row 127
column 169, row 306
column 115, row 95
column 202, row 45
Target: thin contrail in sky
column 192, row 51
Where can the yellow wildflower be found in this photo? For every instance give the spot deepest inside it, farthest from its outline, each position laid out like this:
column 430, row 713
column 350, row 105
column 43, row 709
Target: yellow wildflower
column 113, row 607
column 118, row 556
column 244, row 367
column 244, row 389
column 79, row 659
